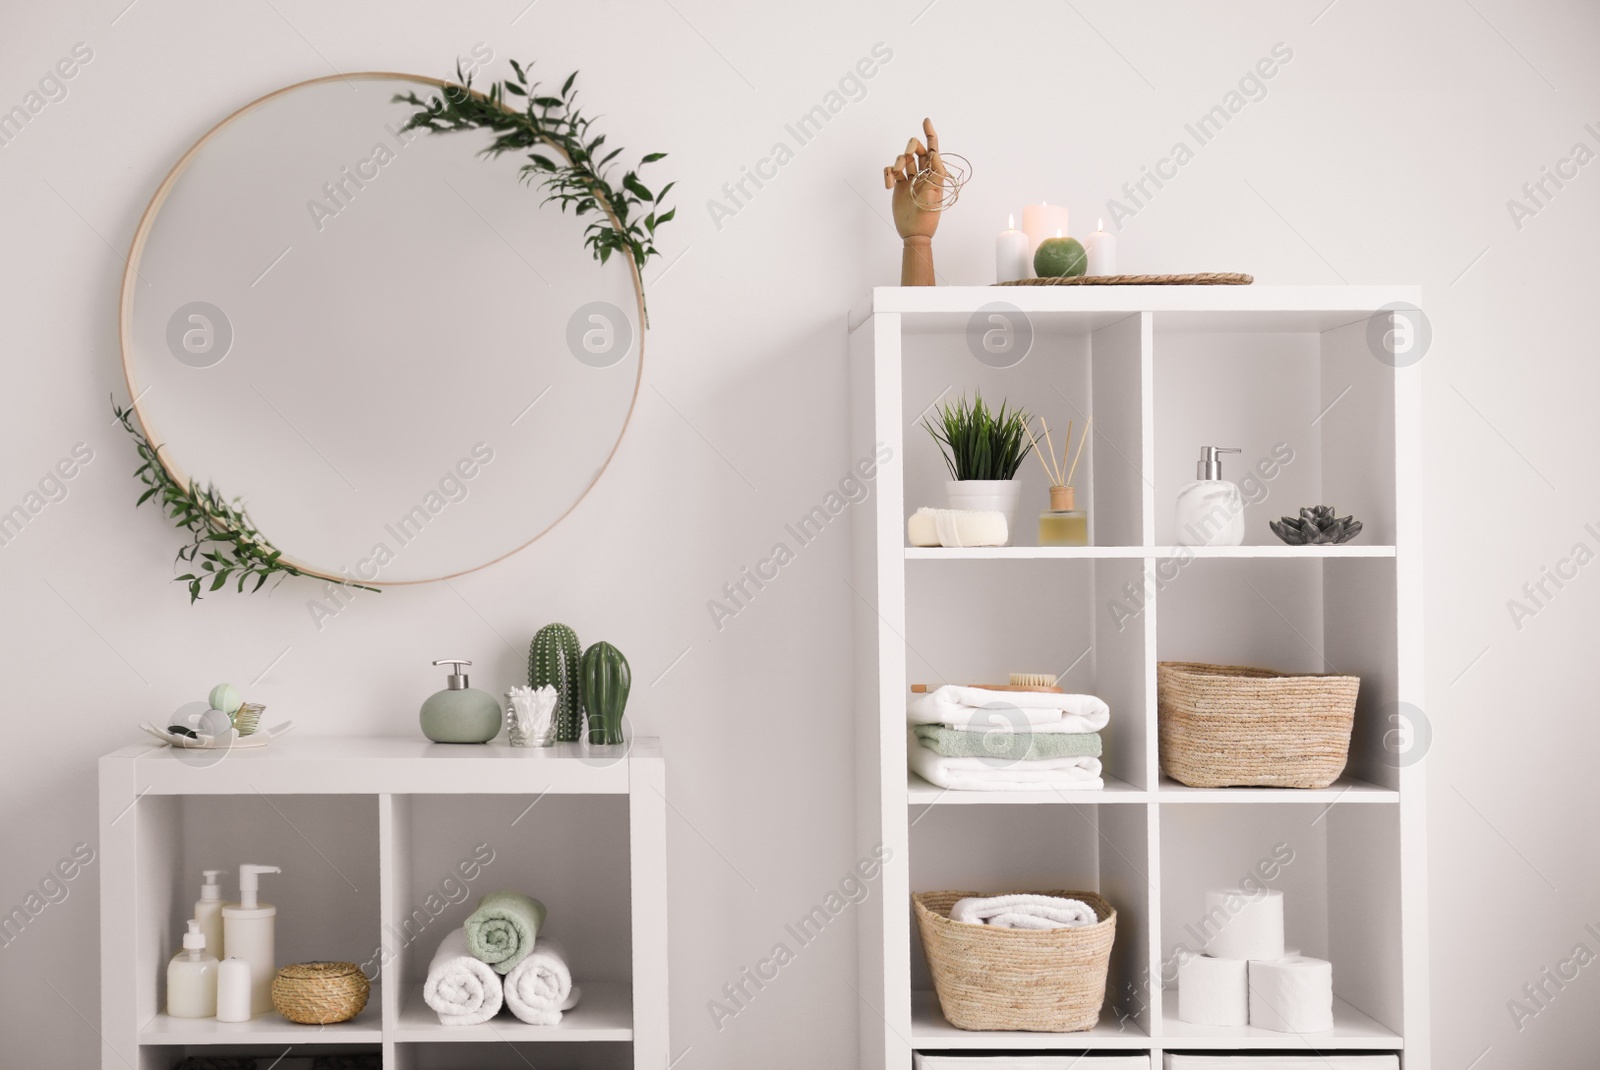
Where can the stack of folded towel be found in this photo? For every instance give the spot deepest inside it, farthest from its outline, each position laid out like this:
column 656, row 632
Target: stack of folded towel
column 498, row 959
column 1024, row 911
column 981, row 739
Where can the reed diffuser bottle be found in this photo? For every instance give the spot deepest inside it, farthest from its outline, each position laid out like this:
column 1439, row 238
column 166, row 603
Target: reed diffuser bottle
column 1065, row 524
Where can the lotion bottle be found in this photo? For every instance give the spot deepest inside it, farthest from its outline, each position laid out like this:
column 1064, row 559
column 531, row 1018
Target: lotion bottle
column 208, row 912
column 1210, row 510
column 249, row 932
column 192, row 978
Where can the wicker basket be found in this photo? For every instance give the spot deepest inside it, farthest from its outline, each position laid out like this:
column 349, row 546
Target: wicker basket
column 1230, row 725
column 320, row 993
column 1039, row 980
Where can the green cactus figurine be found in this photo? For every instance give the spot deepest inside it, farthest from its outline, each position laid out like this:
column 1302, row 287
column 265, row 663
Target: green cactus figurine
column 606, row 679
column 553, row 659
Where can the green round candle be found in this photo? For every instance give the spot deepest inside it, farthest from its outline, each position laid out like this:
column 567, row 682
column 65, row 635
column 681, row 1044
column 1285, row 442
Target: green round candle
column 1060, row 257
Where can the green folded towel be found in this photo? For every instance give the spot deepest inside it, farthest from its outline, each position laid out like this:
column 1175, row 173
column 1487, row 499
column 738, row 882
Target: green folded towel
column 1020, row 745
column 502, row 930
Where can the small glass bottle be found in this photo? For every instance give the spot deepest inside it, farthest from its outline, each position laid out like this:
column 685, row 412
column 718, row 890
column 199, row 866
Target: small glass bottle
column 1063, row 525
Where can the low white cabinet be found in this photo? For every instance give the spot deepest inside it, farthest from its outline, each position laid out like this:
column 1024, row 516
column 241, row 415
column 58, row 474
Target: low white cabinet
column 386, row 845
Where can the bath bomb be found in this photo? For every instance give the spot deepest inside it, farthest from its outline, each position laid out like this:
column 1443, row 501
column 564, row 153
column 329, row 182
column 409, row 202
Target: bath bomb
column 225, row 697
column 1060, row 257
column 214, row 723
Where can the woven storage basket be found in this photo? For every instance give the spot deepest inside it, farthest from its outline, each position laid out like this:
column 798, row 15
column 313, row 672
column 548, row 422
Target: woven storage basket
column 1039, row 980
column 1234, row 726
column 320, row 993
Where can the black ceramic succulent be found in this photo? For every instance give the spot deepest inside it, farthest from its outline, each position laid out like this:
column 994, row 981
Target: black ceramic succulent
column 1316, row 526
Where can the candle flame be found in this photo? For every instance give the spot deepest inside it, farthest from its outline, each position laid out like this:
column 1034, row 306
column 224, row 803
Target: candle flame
column 1058, row 232
column 1099, row 224
column 1011, row 222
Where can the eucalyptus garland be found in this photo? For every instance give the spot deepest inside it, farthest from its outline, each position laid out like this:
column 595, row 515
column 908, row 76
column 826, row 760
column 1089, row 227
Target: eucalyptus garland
column 224, row 545
column 580, row 181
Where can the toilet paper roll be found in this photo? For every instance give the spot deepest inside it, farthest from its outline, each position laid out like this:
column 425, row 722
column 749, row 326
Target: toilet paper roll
column 1291, row 995
column 1213, row 991
column 1245, row 926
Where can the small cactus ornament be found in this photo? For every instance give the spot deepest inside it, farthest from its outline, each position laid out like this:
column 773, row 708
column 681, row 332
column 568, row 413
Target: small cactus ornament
column 606, row 680
column 553, row 661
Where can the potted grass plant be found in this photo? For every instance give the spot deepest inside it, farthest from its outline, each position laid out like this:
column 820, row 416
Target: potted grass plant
column 982, row 448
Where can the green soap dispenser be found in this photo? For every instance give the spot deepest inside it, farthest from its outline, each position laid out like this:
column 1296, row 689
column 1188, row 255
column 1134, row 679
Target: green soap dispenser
column 460, row 714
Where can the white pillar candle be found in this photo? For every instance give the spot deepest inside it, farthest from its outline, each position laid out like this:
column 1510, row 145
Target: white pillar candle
column 1012, row 258
column 1102, row 250
column 1041, row 221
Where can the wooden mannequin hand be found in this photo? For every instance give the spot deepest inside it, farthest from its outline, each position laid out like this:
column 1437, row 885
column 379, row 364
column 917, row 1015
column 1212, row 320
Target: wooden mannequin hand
column 914, row 223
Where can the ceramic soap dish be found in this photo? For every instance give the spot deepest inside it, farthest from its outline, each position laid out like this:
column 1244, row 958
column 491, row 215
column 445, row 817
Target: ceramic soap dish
column 259, row 738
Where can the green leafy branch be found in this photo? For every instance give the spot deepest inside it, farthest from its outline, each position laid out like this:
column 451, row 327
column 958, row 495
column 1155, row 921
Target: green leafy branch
column 224, row 545
column 580, row 181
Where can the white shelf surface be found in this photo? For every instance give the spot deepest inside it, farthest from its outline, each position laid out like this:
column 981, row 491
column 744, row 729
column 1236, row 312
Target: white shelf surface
column 1351, row 1029
column 269, row 1028
column 325, row 765
column 1029, row 553
column 605, row 1013
column 921, row 793
column 1344, row 790
column 930, row 1031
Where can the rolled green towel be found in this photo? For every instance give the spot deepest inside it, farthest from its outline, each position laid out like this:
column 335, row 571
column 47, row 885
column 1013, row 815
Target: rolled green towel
column 502, row 930
column 1020, row 745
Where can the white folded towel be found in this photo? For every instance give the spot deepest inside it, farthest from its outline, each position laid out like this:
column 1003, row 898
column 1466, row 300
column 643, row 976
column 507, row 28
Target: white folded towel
column 461, row 988
column 540, row 987
column 1003, row 774
column 979, row 708
column 1023, row 912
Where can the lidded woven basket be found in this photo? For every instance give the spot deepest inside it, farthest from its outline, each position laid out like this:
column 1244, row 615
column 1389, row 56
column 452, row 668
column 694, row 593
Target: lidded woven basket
column 320, row 993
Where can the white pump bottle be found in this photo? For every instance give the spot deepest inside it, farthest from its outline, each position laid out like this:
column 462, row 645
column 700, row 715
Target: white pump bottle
column 249, row 932
column 192, row 978
column 208, row 912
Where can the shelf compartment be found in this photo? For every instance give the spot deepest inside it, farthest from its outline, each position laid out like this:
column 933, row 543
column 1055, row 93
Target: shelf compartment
column 1351, row 1030
column 1101, row 849
column 605, row 1013
column 930, row 1031
column 267, row 1028
column 1056, row 621
column 1338, row 868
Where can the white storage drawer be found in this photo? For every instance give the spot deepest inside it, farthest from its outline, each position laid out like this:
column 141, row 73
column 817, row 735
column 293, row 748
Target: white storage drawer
column 1282, row 1062
column 1091, row 1061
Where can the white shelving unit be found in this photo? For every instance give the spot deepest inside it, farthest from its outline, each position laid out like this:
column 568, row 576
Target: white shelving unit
column 1162, row 371
column 386, row 844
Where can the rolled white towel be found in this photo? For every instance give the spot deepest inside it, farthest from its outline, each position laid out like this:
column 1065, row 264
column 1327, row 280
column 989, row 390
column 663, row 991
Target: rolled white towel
column 981, row 709
column 540, row 987
column 461, row 988
column 1024, row 912
column 1003, row 774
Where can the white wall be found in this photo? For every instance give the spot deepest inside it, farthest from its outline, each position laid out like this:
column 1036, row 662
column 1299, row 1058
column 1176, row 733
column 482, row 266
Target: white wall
column 1385, row 151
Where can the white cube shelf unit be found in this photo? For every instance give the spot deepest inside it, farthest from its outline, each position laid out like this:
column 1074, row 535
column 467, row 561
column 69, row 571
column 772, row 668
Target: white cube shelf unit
column 1287, row 375
column 386, row 845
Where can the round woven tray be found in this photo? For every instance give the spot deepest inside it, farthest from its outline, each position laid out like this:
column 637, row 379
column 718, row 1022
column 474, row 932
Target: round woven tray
column 320, row 993
column 1199, row 278
column 1038, row 980
column 1226, row 726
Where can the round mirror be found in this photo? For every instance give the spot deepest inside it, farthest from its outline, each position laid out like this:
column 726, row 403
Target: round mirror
column 403, row 363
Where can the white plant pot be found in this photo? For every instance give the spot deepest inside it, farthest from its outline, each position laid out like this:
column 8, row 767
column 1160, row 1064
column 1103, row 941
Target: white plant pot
column 991, row 495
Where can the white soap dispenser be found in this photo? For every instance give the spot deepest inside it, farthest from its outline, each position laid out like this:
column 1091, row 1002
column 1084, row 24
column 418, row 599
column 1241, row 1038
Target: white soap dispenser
column 1210, row 510
column 208, row 912
column 249, row 932
column 192, row 978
